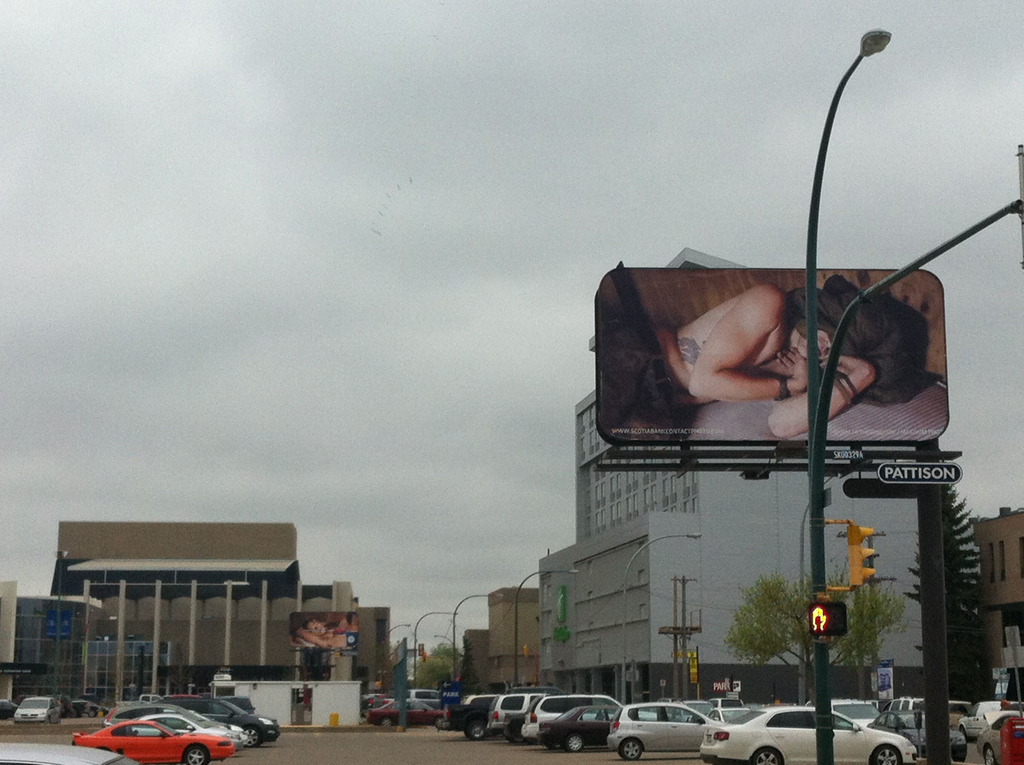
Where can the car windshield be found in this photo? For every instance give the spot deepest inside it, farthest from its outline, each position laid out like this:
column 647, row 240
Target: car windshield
column 730, row 715
column 35, row 703
column 704, row 707
column 911, row 719
column 857, row 711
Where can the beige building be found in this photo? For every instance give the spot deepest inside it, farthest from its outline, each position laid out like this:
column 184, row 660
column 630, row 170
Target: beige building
column 1001, row 543
column 210, row 595
column 496, row 658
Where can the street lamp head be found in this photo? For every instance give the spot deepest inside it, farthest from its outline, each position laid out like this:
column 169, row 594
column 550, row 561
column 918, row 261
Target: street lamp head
column 874, row 42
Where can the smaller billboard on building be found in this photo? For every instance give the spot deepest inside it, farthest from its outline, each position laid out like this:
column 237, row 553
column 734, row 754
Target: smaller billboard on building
column 335, row 631
column 722, row 355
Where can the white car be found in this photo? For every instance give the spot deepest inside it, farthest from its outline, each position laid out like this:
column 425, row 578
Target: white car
column 550, row 707
column 726, row 714
column 974, row 722
column 38, row 709
column 786, row 736
column 656, row 727
column 180, row 723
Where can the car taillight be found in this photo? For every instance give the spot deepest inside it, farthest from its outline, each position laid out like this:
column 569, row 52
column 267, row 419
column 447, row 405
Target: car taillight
column 495, row 715
column 533, row 717
column 721, row 735
column 615, row 725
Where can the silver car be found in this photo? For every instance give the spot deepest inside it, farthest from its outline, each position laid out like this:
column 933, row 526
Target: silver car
column 194, row 723
column 38, row 709
column 59, row 754
column 973, row 723
column 656, row 727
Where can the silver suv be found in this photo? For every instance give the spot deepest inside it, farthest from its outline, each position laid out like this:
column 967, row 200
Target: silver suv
column 506, row 704
column 550, row 707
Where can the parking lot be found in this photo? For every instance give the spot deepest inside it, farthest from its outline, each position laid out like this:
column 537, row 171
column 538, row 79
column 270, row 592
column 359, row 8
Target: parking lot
column 418, row 747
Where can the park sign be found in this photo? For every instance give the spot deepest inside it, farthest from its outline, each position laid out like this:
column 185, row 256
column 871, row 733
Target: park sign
column 720, row 356
column 919, row 472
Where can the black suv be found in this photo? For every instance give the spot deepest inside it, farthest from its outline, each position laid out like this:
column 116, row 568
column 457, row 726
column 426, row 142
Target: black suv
column 258, row 730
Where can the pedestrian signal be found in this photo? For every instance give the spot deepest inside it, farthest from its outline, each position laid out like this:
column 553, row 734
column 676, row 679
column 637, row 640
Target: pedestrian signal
column 827, row 619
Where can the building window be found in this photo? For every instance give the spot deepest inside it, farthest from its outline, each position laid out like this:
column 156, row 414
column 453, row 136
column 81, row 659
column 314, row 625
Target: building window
column 1002, row 561
column 382, row 631
column 991, row 563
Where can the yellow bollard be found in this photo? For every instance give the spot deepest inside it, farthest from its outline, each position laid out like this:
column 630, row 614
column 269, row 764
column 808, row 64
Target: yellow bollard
column 333, row 722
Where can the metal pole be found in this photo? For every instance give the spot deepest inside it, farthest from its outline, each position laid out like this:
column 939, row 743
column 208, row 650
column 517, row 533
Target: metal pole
column 675, row 635
column 415, row 630
column 1020, row 170
column 515, row 629
column 155, row 685
column 933, row 629
column 686, row 636
column 816, row 467
column 192, row 602
column 86, row 590
column 263, row 623
column 119, row 669
column 455, row 651
column 227, row 622
column 60, row 624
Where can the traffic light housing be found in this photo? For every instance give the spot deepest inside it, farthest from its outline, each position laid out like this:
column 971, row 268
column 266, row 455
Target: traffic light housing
column 423, row 652
column 861, row 558
column 827, row 619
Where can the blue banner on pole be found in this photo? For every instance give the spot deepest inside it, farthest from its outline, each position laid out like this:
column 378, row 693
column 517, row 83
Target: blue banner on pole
column 51, row 623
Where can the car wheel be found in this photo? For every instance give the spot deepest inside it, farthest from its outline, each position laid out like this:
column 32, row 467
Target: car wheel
column 251, row 736
column 195, row 755
column 631, row 749
column 573, row 743
column 476, row 730
column 439, row 723
column 886, row 755
column 963, row 730
column 768, row 756
column 385, row 722
column 990, row 755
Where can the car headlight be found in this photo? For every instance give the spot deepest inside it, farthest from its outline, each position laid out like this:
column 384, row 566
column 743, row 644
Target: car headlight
column 235, row 728
column 265, row 721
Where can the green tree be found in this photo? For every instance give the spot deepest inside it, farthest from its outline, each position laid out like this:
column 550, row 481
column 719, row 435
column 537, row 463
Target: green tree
column 969, row 673
column 436, row 669
column 468, row 677
column 771, row 623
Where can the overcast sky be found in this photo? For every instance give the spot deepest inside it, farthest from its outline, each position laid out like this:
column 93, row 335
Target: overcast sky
column 334, row 263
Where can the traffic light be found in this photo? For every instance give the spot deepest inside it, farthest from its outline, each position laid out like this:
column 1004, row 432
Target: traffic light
column 423, row 652
column 861, row 558
column 827, row 619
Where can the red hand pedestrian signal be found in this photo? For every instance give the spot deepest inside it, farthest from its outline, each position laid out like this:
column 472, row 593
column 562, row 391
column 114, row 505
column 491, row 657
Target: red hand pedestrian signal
column 827, row 619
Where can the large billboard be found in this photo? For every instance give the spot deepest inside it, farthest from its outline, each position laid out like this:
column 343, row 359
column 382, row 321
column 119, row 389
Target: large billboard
column 336, row 631
column 721, row 356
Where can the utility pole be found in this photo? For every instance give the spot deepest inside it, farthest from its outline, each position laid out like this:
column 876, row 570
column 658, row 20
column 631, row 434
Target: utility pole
column 678, row 631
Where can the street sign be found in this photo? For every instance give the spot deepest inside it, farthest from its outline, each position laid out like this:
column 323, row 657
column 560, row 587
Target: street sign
column 919, row 472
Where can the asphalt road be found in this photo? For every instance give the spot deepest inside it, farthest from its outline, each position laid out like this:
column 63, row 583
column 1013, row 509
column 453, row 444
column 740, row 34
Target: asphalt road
column 414, row 747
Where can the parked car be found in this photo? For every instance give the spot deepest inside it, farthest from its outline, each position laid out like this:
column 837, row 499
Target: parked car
column 145, row 741
column 989, row 746
column 863, row 712
column 470, row 717
column 722, row 702
column 193, row 723
column 7, row 709
column 726, row 714
column 973, row 723
column 578, row 728
column 38, row 709
column 416, row 713
column 59, row 754
column 655, row 727
column 505, row 707
column 780, row 735
column 242, row 702
column 424, row 694
column 258, row 729
column 86, row 708
column 910, row 725
column 547, row 708
column 903, row 704
column 134, row 710
column 150, row 697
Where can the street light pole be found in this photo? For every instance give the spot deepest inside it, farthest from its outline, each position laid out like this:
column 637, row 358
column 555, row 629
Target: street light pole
column 415, row 645
column 455, row 650
column 872, row 42
column 625, row 585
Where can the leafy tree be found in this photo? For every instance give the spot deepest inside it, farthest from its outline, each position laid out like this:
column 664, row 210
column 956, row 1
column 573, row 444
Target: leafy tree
column 468, row 677
column 436, row 669
column 968, row 665
column 771, row 623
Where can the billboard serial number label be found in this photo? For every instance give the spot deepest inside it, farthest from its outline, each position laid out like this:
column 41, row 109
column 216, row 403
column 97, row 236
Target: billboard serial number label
column 898, row 472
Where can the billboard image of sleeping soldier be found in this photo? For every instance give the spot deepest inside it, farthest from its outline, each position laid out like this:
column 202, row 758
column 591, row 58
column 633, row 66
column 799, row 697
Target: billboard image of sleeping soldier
column 721, row 355
column 336, row 631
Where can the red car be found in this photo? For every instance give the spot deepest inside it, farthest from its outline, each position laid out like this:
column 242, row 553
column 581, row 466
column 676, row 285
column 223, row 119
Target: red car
column 149, row 742
column 416, row 713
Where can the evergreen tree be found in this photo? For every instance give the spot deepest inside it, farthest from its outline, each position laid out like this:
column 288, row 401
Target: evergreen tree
column 969, row 674
column 470, row 680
